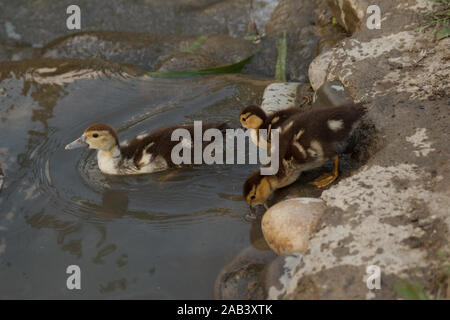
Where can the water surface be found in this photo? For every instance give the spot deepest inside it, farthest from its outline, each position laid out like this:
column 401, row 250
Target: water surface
column 162, row 235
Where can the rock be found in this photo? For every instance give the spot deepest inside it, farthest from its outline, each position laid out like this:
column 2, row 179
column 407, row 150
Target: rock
column 256, row 236
column 318, row 70
column 224, row 48
column 178, row 17
column 296, row 19
column 151, row 52
column 288, row 225
column 3, row 53
column 332, row 94
column 395, row 71
column 349, row 13
column 291, row 16
column 330, row 33
column 240, row 278
column 186, row 61
column 278, row 96
column 139, row 49
column 301, row 47
column 278, row 274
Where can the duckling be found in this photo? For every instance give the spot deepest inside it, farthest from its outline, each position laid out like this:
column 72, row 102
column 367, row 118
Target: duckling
column 307, row 141
column 254, row 118
column 145, row 153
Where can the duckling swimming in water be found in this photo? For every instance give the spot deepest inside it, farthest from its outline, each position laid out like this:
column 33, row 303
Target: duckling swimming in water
column 307, row 141
column 145, row 153
column 254, row 118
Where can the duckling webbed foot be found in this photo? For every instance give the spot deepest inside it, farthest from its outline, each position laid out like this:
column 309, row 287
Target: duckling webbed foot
column 327, row 178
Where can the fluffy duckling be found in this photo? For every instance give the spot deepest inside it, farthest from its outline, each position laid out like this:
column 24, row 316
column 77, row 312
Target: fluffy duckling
column 307, row 141
column 254, row 118
column 145, row 153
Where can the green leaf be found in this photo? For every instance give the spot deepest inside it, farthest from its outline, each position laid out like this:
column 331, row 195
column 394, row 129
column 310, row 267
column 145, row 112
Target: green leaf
column 443, row 32
column 411, row 291
column 280, row 70
column 232, row 68
column 252, row 37
column 197, row 43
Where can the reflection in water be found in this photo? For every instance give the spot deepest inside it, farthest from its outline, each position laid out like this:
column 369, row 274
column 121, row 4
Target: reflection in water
column 114, row 204
column 155, row 235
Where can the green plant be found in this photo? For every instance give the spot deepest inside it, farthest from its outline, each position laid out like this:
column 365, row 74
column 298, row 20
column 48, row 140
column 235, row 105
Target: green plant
column 280, row 69
column 411, row 290
column 232, row 68
column 439, row 19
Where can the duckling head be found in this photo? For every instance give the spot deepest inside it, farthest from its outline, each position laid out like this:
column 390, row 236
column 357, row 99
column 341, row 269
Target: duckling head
column 97, row 136
column 252, row 117
column 257, row 189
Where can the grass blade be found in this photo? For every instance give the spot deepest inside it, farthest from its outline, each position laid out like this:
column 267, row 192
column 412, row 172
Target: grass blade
column 444, row 32
column 280, row 70
column 232, row 68
column 411, row 291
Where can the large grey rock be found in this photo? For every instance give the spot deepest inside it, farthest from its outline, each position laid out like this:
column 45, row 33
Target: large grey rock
column 278, row 274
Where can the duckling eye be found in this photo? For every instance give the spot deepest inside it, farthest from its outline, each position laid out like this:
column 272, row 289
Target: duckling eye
column 95, row 135
column 243, row 119
column 253, row 197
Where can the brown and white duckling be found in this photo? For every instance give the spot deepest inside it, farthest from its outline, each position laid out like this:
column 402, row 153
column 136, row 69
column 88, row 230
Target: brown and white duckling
column 145, row 153
column 307, row 141
column 254, row 118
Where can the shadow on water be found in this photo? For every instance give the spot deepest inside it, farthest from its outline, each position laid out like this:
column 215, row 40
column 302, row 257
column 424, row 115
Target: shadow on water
column 149, row 236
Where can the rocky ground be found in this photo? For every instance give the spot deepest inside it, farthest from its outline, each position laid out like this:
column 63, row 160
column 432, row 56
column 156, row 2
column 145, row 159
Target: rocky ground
column 390, row 206
column 391, row 210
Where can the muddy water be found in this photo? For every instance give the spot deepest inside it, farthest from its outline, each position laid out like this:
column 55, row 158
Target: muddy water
column 163, row 235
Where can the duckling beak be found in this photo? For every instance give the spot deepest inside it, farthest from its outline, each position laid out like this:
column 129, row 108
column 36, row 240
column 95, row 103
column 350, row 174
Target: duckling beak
column 79, row 143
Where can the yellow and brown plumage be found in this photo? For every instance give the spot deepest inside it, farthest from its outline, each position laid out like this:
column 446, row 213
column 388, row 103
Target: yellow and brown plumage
column 143, row 154
column 307, row 140
column 254, row 118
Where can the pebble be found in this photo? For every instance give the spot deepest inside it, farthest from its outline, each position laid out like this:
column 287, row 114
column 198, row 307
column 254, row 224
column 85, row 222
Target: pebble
column 288, row 225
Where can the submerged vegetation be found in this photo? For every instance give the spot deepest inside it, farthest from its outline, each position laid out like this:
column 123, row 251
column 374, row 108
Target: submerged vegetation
column 232, row 68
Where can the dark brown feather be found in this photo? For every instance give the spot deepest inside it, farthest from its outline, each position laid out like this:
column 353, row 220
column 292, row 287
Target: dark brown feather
column 103, row 127
column 162, row 142
column 315, row 126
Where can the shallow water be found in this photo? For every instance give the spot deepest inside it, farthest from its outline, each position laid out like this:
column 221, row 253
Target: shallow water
column 162, row 235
